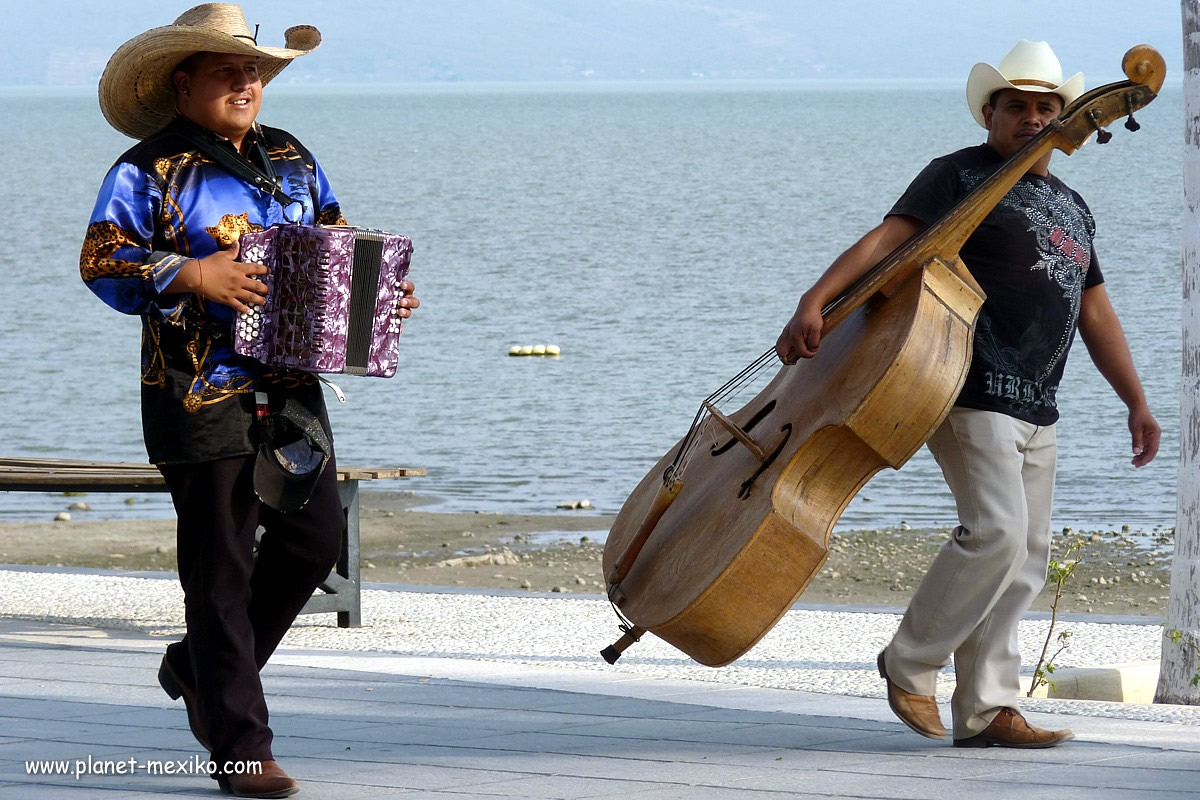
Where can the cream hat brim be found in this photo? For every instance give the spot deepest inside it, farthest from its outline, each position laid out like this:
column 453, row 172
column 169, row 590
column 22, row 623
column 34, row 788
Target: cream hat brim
column 1029, row 67
column 137, row 95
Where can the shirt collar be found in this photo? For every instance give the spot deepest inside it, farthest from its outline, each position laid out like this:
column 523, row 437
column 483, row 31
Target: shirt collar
column 252, row 136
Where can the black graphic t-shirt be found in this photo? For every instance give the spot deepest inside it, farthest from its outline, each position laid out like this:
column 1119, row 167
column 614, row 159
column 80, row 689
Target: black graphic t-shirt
column 1033, row 256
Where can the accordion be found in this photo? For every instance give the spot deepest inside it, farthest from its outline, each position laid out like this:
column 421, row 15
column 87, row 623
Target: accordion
column 333, row 294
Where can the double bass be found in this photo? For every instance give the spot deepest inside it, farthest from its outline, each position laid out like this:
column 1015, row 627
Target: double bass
column 727, row 530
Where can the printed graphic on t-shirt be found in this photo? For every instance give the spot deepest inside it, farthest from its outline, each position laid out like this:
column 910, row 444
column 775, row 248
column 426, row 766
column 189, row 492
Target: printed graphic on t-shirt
column 1011, row 373
column 1062, row 231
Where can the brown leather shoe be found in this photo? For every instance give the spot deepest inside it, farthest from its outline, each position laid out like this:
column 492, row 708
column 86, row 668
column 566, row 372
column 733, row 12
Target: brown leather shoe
column 1010, row 729
column 177, row 687
column 271, row 782
column 917, row 711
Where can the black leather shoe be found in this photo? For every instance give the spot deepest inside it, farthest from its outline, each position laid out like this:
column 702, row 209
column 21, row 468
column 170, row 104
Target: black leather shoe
column 271, row 782
column 176, row 687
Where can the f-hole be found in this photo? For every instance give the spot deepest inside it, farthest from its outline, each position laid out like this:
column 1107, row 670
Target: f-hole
column 758, row 417
column 748, row 484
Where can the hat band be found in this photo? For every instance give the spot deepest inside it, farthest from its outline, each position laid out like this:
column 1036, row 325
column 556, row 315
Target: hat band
column 1043, row 84
column 253, row 38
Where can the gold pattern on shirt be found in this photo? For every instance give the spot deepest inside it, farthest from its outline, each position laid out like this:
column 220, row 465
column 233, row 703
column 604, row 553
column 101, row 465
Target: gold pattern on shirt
column 331, row 216
column 231, row 227
column 201, row 392
column 173, row 227
column 99, row 243
column 154, row 371
column 168, row 167
column 162, row 166
column 287, row 152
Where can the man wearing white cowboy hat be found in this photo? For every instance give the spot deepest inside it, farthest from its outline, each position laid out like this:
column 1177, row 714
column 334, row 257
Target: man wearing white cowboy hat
column 1034, row 257
column 162, row 244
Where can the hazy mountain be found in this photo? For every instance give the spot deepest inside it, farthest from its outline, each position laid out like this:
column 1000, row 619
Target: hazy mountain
column 56, row 42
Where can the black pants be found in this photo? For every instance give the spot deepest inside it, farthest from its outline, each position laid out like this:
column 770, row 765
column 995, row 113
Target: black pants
column 238, row 607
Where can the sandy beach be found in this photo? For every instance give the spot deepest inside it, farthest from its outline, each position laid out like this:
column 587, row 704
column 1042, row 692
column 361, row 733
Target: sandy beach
column 1119, row 572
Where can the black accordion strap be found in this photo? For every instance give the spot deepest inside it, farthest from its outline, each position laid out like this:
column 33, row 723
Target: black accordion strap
column 214, row 147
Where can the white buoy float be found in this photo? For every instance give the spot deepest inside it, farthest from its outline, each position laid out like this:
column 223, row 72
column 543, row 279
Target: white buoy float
column 575, row 504
column 543, row 350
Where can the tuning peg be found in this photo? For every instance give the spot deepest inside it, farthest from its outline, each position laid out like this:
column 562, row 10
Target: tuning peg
column 1102, row 136
column 1131, row 123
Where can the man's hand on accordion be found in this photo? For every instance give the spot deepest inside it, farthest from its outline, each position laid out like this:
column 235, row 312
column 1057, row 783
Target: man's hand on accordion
column 224, row 279
column 408, row 302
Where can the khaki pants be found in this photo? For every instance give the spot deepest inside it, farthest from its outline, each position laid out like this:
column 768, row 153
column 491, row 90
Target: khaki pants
column 1001, row 472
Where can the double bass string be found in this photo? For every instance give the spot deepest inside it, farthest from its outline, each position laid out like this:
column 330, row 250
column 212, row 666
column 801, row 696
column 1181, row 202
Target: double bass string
column 730, row 388
column 733, row 387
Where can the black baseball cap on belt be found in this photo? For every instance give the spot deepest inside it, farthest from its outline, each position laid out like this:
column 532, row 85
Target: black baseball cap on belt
column 292, row 453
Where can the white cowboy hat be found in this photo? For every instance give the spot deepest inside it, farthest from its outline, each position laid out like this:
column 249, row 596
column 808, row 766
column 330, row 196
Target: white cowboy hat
column 137, row 95
column 1029, row 67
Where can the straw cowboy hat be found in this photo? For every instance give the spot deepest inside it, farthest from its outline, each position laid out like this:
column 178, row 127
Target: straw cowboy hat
column 137, row 94
column 1029, row 67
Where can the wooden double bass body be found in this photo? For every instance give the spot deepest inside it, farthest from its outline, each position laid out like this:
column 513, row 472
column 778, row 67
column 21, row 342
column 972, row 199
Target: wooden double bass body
column 710, row 555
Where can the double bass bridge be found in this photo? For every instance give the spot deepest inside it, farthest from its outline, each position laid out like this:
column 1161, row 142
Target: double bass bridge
column 737, row 432
column 743, row 436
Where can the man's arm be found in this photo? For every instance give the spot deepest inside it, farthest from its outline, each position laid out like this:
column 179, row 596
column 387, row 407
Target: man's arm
column 118, row 261
column 1105, row 341
column 802, row 334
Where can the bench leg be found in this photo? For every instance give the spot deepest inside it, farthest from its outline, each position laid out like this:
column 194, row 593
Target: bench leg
column 348, row 561
column 341, row 592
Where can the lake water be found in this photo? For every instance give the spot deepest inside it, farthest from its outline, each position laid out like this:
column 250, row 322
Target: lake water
column 659, row 234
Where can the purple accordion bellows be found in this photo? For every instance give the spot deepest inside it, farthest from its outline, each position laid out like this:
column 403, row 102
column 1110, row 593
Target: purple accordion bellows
column 332, row 297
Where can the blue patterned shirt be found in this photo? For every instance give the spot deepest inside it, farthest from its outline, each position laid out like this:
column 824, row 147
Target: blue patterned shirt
column 162, row 203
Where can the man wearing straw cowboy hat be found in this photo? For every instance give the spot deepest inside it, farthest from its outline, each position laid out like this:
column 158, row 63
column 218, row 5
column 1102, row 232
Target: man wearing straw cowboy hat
column 1034, row 257
column 162, row 244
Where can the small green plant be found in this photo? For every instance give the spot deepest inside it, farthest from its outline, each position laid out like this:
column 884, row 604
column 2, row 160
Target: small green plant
column 1177, row 638
column 1045, row 667
column 1058, row 573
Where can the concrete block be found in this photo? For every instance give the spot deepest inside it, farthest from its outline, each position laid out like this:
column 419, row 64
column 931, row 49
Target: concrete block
column 1134, row 682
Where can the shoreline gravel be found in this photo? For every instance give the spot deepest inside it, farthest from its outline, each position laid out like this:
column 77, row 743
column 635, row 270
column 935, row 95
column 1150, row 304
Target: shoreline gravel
column 1119, row 571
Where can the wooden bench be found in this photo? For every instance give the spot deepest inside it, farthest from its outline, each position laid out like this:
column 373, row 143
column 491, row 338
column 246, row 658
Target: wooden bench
column 341, row 591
